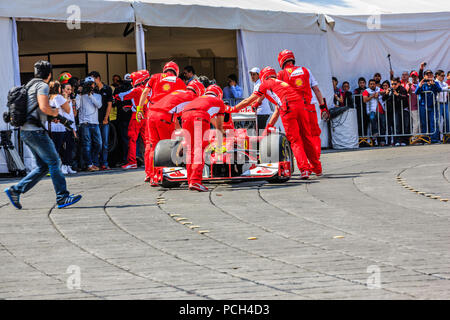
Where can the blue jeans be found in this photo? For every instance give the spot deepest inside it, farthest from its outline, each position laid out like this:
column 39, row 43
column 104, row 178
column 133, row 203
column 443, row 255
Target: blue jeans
column 104, row 129
column 445, row 114
column 92, row 143
column 47, row 159
column 432, row 125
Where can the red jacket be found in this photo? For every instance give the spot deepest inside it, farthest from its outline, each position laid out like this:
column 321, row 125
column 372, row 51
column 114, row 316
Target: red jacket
column 278, row 92
column 207, row 104
column 299, row 79
column 174, row 102
column 161, row 84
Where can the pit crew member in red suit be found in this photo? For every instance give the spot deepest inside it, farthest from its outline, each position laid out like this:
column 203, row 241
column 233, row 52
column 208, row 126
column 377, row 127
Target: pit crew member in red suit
column 136, row 126
column 302, row 80
column 197, row 117
column 163, row 116
column 159, row 85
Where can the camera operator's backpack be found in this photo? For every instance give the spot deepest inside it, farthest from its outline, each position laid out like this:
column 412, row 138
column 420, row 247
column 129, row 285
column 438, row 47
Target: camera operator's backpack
column 17, row 113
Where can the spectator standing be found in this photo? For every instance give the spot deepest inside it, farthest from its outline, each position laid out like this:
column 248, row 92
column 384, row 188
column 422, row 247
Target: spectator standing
column 232, row 91
column 123, row 118
column 370, row 97
column 448, row 78
column 397, row 107
column 427, row 90
column 189, row 74
column 57, row 130
column 116, row 81
column 34, row 136
column 69, row 135
column 404, row 79
column 264, row 111
column 363, row 120
column 414, row 103
column 442, row 101
column 103, row 116
column 337, row 92
column 88, row 103
column 377, row 78
column 346, row 95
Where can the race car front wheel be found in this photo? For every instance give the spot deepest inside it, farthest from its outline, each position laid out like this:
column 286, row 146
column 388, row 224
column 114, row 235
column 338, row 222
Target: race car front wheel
column 275, row 148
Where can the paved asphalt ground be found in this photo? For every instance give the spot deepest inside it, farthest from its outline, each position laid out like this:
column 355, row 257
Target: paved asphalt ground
column 356, row 233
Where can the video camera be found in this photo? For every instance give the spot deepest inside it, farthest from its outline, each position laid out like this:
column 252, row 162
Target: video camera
column 86, row 88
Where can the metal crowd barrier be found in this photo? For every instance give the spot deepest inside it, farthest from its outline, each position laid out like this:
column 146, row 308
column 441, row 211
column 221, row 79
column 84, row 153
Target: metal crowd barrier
column 404, row 121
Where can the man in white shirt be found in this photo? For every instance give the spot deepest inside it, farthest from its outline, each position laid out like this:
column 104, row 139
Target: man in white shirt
column 88, row 104
column 264, row 111
column 373, row 110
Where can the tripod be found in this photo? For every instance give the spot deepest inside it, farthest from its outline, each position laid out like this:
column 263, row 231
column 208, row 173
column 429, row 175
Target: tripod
column 13, row 161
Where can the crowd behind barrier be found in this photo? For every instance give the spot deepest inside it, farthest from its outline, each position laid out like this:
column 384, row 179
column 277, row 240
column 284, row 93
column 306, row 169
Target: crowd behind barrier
column 401, row 111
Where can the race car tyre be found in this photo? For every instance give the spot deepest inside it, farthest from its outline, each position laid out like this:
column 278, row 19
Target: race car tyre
column 166, row 154
column 273, row 149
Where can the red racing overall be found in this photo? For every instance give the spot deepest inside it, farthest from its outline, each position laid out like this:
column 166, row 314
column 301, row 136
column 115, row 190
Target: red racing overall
column 162, row 116
column 300, row 79
column 196, row 119
column 134, row 128
column 160, row 85
column 294, row 116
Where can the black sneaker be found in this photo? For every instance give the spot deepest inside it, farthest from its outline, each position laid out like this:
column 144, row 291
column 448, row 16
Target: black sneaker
column 68, row 201
column 13, row 197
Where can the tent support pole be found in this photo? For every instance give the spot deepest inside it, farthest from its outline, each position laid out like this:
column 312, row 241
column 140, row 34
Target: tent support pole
column 140, row 46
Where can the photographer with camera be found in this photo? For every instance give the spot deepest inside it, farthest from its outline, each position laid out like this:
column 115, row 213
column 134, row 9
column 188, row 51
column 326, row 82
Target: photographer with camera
column 36, row 138
column 104, row 112
column 88, row 104
column 427, row 91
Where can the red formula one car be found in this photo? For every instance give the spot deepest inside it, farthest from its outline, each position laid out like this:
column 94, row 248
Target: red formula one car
column 243, row 156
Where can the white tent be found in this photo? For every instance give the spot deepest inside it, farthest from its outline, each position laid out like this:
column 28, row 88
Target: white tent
column 344, row 38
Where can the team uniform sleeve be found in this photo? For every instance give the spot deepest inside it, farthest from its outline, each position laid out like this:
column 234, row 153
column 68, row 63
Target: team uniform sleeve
column 365, row 93
column 281, row 75
column 261, row 90
column 312, row 81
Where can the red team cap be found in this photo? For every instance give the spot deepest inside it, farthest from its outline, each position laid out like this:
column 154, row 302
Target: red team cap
column 284, row 56
column 197, row 86
column 214, row 89
column 171, row 66
column 267, row 72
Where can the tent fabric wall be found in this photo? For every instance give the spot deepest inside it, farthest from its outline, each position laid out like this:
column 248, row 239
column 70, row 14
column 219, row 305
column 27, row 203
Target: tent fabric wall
column 259, row 49
column 368, row 52
column 8, row 76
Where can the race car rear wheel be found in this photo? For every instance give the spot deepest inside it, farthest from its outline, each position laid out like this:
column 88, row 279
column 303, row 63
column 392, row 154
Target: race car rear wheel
column 166, row 154
column 273, row 149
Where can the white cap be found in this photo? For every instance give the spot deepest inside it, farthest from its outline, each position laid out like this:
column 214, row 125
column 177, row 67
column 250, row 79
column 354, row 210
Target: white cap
column 254, row 70
column 89, row 79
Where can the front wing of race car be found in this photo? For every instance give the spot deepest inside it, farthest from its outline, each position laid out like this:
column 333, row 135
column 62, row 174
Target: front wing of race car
column 263, row 171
